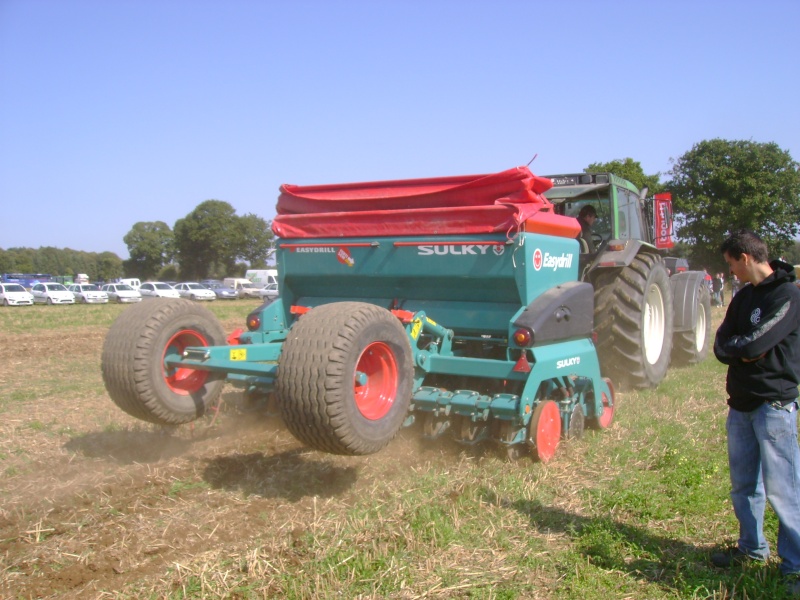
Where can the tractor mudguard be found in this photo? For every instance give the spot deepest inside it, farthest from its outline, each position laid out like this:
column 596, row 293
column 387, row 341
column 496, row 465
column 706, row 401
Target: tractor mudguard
column 617, row 258
column 563, row 312
column 684, row 292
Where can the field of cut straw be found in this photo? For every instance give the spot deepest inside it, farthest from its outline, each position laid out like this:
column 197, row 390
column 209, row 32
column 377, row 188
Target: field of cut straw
column 94, row 504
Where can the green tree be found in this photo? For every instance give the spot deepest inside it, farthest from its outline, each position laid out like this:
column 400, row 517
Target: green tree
column 150, row 246
column 206, row 240
column 255, row 240
column 720, row 186
column 108, row 267
column 631, row 170
column 792, row 255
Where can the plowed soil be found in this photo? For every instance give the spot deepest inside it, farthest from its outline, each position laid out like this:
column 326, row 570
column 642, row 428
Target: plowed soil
column 93, row 501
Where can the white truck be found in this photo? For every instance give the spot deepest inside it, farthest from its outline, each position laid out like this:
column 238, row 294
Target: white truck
column 262, row 277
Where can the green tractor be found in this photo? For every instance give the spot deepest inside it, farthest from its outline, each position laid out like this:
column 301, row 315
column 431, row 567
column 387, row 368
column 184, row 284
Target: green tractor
column 646, row 317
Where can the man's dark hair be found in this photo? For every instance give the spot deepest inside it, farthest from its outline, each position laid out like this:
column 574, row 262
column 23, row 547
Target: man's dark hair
column 587, row 211
column 745, row 241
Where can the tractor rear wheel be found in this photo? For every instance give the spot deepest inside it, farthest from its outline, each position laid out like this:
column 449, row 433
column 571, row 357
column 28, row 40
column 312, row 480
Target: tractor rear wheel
column 691, row 347
column 345, row 378
column 134, row 354
column 633, row 320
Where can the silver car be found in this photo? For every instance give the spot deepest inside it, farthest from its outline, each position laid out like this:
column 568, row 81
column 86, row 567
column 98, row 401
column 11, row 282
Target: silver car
column 195, row 291
column 269, row 291
column 13, row 294
column 223, row 292
column 88, row 293
column 52, row 293
column 122, row 293
column 158, row 289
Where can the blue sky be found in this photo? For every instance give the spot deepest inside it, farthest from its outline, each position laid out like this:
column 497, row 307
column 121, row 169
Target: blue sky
column 119, row 111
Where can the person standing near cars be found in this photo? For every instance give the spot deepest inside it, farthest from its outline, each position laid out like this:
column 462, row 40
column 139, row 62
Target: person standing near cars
column 759, row 340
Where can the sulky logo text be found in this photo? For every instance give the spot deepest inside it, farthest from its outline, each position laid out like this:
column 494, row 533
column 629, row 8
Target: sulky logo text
column 459, row 250
column 568, row 362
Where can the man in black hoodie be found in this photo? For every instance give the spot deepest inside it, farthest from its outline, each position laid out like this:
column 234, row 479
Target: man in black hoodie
column 759, row 340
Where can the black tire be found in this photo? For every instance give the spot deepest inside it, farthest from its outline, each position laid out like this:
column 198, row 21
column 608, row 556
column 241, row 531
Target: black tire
column 633, row 321
column 317, row 370
column 49, row 300
column 133, row 355
column 691, row 347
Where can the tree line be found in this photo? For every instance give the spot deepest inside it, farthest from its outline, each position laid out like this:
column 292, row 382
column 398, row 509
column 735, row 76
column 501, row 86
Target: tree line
column 718, row 186
column 212, row 241
column 61, row 261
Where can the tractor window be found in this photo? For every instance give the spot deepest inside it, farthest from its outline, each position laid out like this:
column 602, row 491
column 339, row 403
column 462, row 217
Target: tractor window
column 628, row 217
column 571, row 208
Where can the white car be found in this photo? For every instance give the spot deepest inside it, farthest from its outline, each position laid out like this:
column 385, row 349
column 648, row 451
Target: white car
column 122, row 293
column 52, row 293
column 157, row 289
column 13, row 294
column 88, row 293
column 195, row 291
column 269, row 291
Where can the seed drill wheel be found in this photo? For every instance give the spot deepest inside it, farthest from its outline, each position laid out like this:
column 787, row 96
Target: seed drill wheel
column 344, row 378
column 633, row 320
column 577, row 421
column 545, row 430
column 606, row 417
column 691, row 347
column 134, row 354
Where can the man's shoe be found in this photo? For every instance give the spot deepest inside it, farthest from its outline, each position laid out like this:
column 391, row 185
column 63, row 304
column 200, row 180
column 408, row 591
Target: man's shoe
column 731, row 557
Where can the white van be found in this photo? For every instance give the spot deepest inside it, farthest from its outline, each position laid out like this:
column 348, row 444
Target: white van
column 244, row 287
column 262, row 277
column 131, row 281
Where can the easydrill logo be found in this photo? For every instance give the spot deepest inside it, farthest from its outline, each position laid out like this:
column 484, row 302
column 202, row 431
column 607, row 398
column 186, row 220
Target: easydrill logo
column 551, row 261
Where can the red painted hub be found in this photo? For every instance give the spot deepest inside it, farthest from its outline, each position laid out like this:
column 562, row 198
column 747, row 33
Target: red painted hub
column 375, row 382
column 182, row 380
column 546, row 429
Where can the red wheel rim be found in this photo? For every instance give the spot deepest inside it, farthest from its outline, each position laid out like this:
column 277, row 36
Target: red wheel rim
column 546, row 429
column 375, row 382
column 605, row 419
column 183, row 380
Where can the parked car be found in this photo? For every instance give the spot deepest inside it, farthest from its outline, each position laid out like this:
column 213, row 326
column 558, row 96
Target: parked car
column 223, row 292
column 122, row 293
column 52, row 293
column 244, row 287
column 13, row 294
column 195, row 291
column 269, row 291
column 157, row 289
column 88, row 293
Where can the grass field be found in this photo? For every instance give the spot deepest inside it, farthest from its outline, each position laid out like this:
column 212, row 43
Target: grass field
column 94, row 504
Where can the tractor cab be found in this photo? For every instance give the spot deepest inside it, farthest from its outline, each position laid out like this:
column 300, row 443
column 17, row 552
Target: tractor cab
column 620, row 214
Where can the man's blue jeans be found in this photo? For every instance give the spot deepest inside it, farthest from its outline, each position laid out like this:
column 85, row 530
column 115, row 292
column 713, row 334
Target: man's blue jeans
column 764, row 460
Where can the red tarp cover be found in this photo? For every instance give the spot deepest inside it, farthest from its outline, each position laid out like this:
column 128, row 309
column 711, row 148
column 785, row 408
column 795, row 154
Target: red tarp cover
column 471, row 204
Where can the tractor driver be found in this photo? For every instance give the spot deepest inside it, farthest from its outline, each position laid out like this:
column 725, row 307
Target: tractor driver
column 586, row 217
